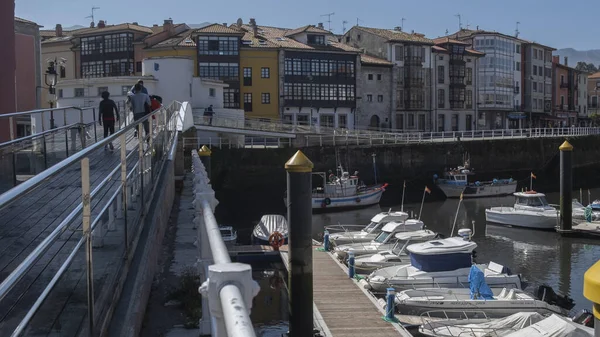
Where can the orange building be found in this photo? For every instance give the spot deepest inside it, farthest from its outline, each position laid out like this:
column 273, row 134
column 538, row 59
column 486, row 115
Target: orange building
column 565, row 92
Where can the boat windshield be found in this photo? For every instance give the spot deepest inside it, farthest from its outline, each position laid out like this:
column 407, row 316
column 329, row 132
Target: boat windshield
column 382, row 237
column 225, row 232
column 370, row 227
column 533, row 201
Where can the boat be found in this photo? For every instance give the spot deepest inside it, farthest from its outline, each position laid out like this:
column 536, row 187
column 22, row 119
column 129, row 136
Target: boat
column 531, row 210
column 268, row 225
column 444, row 263
column 595, row 205
column 344, row 192
column 229, row 235
column 369, row 232
column 479, row 296
column 554, row 326
column 386, row 239
column 581, row 212
column 455, row 182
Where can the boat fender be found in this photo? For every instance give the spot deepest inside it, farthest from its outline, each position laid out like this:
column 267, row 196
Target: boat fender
column 477, row 183
column 495, row 181
column 276, row 240
column 357, row 200
column 327, row 201
column 323, row 204
column 364, row 284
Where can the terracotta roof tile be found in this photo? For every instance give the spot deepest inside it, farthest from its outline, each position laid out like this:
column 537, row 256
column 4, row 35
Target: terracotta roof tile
column 183, row 39
column 216, row 28
column 443, row 40
column 259, row 41
column 397, row 36
column 475, row 52
column 112, row 28
column 368, row 59
column 307, row 28
column 57, row 39
column 25, row 21
column 466, row 33
column 439, row 49
column 594, row 76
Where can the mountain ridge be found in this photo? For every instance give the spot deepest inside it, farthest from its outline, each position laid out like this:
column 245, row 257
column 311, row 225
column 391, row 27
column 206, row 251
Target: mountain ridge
column 574, row 56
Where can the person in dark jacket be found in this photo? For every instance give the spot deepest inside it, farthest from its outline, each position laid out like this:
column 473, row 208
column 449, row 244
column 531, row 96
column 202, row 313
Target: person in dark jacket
column 143, row 88
column 107, row 112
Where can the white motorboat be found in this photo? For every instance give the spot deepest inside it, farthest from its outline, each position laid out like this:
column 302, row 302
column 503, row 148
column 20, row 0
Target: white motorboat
column 442, row 263
column 268, row 225
column 477, row 327
column 367, row 263
column 494, row 303
column 581, row 212
column 385, row 240
column 369, row 232
column 229, row 235
column 554, row 326
column 531, row 209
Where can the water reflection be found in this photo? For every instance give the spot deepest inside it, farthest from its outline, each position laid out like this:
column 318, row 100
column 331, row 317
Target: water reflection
column 540, row 256
column 270, row 307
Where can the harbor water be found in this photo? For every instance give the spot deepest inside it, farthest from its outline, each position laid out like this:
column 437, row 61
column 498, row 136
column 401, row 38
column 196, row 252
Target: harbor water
column 541, row 257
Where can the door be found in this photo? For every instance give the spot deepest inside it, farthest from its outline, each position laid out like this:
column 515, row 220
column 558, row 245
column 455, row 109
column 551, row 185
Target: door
column 441, row 122
column 469, row 122
column 374, row 123
column 422, row 122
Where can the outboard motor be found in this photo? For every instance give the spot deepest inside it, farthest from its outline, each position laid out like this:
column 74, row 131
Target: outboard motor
column 584, row 317
column 547, row 294
column 465, row 233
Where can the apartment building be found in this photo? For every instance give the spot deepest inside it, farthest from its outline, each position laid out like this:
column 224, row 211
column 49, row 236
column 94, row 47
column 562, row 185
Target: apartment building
column 568, row 105
column 410, row 54
column 593, row 88
column 537, row 82
column 375, row 86
column 454, row 65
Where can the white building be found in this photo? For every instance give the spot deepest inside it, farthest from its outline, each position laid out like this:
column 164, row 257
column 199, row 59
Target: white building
column 375, row 85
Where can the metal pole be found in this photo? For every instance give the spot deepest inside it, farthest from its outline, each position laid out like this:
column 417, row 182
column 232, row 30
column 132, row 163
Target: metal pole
column 566, row 186
column 591, row 291
column 66, row 133
column 374, row 155
column 204, row 153
column 95, row 128
column 300, row 283
column 51, row 115
column 85, row 195
column 141, row 165
column 124, row 188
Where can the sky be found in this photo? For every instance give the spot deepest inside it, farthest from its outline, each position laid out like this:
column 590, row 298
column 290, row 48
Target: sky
column 556, row 23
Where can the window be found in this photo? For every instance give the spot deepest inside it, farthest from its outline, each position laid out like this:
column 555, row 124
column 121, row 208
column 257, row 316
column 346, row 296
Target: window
column 518, row 66
column 60, row 93
column 400, row 121
column 101, row 90
column 327, row 121
column 212, row 92
column 265, row 72
column 218, row 45
column 247, row 76
column 248, row 102
column 562, row 101
column 219, row 71
column 441, row 58
column 315, row 39
column 518, row 49
column 469, row 100
column 454, row 122
column 535, row 70
column 342, row 121
column 369, row 98
column 63, row 72
column 469, row 76
column 441, row 98
column 534, row 86
column 125, row 90
column 265, row 98
column 370, row 77
column 562, row 79
column 379, row 77
column 411, row 121
column 358, row 37
column 379, row 98
column 231, row 98
column 302, row 119
column 347, row 39
column 398, row 53
column 138, row 67
column 535, row 56
column 441, row 74
column 79, row 92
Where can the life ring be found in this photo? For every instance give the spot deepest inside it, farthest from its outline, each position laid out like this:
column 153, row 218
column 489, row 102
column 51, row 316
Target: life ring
column 275, row 282
column 276, row 240
column 357, row 200
column 323, row 205
column 327, row 201
column 531, row 192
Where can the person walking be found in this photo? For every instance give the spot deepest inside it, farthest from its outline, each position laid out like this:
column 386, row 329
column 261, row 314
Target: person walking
column 107, row 111
column 140, row 105
column 141, row 83
column 208, row 115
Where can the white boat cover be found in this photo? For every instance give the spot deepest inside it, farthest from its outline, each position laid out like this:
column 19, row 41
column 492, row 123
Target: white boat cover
column 443, row 246
column 269, row 224
column 554, row 326
column 493, row 327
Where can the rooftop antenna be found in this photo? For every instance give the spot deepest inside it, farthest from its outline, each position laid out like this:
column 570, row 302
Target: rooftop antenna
column 446, row 31
column 468, row 24
column 92, row 16
column 459, row 22
column 357, row 20
column 402, row 24
column 344, row 26
column 328, row 15
column 517, row 30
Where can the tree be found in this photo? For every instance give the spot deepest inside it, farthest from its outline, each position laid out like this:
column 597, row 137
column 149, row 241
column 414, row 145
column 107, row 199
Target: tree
column 585, row 67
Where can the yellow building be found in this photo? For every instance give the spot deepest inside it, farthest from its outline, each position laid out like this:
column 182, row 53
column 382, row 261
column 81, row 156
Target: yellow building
column 259, row 78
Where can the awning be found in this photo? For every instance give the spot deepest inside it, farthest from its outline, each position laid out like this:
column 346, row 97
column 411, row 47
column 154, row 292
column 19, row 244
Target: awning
column 517, row 115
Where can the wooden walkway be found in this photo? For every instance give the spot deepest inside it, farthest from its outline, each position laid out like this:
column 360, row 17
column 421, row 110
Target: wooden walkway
column 345, row 309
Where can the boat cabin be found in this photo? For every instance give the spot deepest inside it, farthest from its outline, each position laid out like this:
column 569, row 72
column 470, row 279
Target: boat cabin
column 381, row 219
column 334, row 186
column 227, row 233
column 389, row 231
column 458, row 176
column 442, row 255
column 531, row 199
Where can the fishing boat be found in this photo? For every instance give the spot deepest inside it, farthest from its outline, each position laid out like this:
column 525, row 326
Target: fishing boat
column 229, row 235
column 369, row 232
column 386, row 239
column 456, row 182
column 444, row 263
column 269, row 225
column 344, row 191
column 479, row 296
column 531, row 210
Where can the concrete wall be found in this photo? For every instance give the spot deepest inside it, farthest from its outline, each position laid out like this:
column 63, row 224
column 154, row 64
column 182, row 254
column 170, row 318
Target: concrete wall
column 28, row 71
column 174, row 75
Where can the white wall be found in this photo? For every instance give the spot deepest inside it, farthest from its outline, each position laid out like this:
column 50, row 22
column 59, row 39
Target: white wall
column 201, row 97
column 173, row 75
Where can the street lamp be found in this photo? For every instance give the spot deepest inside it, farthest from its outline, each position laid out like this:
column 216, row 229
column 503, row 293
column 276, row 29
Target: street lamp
column 50, row 77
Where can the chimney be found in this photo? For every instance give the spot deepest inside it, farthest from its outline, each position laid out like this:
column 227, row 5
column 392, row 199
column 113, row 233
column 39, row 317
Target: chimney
column 101, row 24
column 412, row 31
column 154, row 26
column 320, row 25
column 555, row 59
column 398, row 28
column 254, row 28
column 92, row 25
column 566, row 61
column 477, row 27
column 135, row 23
column 168, row 25
column 239, row 22
column 59, row 30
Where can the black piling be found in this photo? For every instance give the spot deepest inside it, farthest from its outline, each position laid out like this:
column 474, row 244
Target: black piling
column 566, row 186
column 204, row 154
column 300, row 276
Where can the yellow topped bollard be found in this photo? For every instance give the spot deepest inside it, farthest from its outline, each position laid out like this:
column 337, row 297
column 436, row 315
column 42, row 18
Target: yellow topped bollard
column 566, row 186
column 204, row 154
column 204, row 151
column 300, row 282
column 591, row 291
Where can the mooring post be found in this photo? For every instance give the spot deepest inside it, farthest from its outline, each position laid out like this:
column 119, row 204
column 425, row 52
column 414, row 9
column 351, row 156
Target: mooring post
column 300, row 282
column 566, row 186
column 591, row 291
column 326, row 240
column 350, row 264
column 389, row 309
column 204, row 154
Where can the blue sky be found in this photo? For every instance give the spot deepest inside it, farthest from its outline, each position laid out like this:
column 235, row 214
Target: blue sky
column 557, row 23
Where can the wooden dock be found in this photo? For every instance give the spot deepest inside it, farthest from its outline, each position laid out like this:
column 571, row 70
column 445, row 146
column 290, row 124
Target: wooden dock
column 586, row 230
column 343, row 309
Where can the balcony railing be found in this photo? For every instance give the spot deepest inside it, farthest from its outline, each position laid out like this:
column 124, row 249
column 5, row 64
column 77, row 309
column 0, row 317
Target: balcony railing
column 564, row 85
column 517, row 90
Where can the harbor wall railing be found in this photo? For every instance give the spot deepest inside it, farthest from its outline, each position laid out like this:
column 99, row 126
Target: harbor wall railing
column 227, row 288
column 70, row 283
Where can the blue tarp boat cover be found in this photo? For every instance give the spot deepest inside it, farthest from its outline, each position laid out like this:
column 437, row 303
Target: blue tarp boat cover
column 479, row 289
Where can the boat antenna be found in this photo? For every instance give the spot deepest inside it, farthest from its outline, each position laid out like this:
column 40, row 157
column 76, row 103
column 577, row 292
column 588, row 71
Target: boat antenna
column 456, row 215
column 374, row 155
column 403, row 190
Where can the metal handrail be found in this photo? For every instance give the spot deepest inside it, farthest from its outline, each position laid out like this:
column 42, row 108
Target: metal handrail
column 25, row 113
column 40, row 134
column 18, row 191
